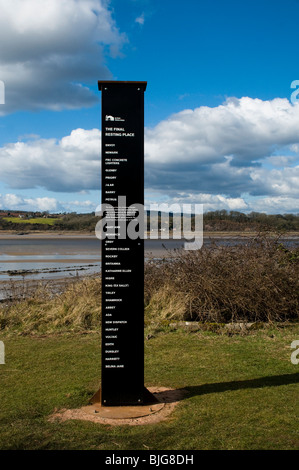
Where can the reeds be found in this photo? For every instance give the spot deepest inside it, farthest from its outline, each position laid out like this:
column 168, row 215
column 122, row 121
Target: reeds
column 77, row 308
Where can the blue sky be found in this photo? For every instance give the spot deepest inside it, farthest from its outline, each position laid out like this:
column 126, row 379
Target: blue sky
column 221, row 128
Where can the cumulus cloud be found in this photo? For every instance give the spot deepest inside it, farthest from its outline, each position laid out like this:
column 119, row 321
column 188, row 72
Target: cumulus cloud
column 284, row 182
column 213, row 202
column 223, row 150
column 13, row 201
column 44, row 204
column 224, row 153
column 275, row 205
column 67, row 165
column 246, row 129
column 10, row 201
column 209, row 201
column 52, row 49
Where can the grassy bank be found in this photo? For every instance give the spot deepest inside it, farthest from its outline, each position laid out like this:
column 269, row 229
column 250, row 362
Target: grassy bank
column 35, row 220
column 242, row 392
column 242, row 387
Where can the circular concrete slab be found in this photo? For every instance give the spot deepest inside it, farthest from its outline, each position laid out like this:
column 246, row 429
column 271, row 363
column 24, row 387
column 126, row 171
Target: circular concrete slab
column 123, row 412
column 167, row 399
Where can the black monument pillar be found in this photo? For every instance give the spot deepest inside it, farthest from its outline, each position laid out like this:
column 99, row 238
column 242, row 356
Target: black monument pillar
column 122, row 257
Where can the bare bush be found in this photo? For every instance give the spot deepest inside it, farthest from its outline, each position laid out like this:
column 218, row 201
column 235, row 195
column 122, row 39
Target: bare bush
column 257, row 281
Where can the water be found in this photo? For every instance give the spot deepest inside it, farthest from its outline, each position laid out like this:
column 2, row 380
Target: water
column 45, row 258
column 52, row 258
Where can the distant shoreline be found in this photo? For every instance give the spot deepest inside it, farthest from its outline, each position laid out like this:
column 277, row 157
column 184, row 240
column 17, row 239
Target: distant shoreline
column 9, row 234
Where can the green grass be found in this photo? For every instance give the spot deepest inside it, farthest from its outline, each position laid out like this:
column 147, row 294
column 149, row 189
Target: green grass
column 242, row 392
column 37, row 220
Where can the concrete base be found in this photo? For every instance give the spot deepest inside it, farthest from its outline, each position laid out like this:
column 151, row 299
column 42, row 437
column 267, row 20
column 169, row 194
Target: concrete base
column 165, row 400
column 151, row 405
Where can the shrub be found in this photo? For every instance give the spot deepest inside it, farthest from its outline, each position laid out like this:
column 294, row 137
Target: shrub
column 257, row 281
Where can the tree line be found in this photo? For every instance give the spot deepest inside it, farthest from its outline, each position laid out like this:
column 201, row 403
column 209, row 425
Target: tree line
column 219, row 220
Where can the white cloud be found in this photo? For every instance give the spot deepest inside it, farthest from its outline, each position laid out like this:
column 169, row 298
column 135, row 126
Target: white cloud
column 209, row 201
column 16, row 202
column 86, row 204
column 276, row 205
column 10, row 200
column 70, row 164
column 43, row 203
column 218, row 154
column 246, row 129
column 140, row 19
column 281, row 160
column 213, row 202
column 226, row 149
column 52, row 49
column 13, row 201
column 283, row 182
column 294, row 148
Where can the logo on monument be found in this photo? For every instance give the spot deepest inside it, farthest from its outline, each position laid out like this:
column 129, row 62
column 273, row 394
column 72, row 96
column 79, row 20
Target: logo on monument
column 108, row 117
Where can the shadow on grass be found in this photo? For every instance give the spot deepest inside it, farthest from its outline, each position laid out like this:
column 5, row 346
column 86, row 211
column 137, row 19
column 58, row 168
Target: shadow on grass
column 270, row 381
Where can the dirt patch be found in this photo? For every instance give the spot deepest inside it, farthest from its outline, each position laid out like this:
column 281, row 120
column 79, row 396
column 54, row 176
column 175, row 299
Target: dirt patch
column 148, row 414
